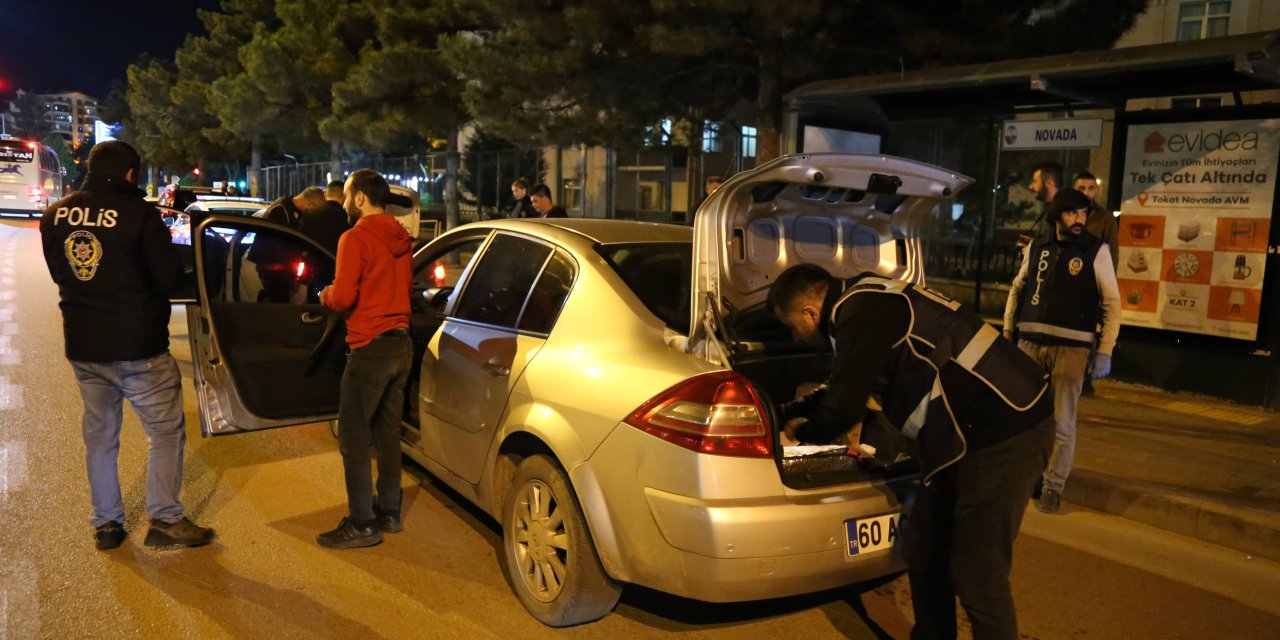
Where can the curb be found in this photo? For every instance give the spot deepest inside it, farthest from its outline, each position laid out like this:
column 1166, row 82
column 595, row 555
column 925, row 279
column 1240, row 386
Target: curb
column 1150, row 504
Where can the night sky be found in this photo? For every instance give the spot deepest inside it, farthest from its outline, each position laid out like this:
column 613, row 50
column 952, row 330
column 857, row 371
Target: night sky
column 82, row 45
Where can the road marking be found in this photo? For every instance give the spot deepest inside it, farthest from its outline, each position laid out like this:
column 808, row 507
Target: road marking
column 10, row 395
column 9, row 355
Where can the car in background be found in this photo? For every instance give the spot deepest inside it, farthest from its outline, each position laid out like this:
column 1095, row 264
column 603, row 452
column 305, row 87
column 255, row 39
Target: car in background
column 607, row 390
column 235, row 205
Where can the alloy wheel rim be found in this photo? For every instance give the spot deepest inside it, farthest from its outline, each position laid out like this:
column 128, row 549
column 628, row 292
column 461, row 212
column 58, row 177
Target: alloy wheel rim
column 540, row 541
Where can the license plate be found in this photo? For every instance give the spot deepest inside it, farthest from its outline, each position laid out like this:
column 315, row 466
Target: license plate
column 872, row 534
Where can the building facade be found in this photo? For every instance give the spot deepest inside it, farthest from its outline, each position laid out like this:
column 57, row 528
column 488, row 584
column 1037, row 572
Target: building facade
column 70, row 114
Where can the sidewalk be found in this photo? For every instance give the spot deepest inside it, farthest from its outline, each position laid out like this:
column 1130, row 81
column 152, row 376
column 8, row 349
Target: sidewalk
column 1197, row 466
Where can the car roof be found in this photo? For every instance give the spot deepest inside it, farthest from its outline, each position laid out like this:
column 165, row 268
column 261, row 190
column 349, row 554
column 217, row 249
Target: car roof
column 595, row 230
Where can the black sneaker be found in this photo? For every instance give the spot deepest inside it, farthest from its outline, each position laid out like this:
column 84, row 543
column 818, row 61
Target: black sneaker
column 183, row 533
column 1049, row 501
column 349, row 535
column 109, row 535
column 388, row 521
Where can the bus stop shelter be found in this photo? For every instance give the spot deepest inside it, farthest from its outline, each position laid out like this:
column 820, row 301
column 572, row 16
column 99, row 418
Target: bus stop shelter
column 1184, row 138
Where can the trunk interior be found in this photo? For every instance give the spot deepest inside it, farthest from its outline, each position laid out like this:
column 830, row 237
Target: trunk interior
column 765, row 353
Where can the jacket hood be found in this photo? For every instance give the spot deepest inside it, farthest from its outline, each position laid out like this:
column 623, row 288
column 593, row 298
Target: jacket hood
column 389, row 232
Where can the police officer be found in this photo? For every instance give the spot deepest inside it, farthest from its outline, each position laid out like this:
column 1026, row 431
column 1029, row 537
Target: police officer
column 114, row 265
column 1064, row 289
column 978, row 408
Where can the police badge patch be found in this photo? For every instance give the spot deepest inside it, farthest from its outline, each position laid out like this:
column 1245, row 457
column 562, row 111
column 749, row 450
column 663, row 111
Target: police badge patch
column 1075, row 266
column 83, row 252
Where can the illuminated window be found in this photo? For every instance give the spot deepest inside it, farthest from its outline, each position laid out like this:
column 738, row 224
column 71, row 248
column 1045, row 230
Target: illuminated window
column 711, row 137
column 748, row 142
column 1199, row 20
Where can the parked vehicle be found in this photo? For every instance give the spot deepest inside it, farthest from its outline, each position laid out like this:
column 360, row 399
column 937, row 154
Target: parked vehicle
column 30, row 177
column 606, row 389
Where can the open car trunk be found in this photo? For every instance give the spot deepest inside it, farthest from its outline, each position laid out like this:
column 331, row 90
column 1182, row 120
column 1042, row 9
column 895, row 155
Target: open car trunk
column 848, row 213
column 762, row 350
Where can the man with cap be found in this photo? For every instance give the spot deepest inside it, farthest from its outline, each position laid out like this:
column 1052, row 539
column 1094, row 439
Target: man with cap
column 979, row 409
column 1065, row 289
column 112, row 259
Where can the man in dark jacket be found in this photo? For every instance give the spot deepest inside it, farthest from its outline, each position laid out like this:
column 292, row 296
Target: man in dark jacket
column 325, row 224
column 1064, row 291
column 372, row 287
column 978, row 408
column 541, row 199
column 276, row 259
column 114, row 265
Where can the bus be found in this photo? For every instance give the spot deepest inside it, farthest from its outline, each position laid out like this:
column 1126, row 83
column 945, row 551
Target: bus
column 30, row 177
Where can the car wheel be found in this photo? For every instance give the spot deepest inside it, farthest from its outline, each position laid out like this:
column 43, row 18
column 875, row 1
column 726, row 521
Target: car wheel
column 551, row 562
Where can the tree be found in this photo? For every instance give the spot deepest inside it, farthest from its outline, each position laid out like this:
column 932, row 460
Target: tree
column 599, row 71
column 29, row 116
column 289, row 72
column 402, row 90
column 207, row 63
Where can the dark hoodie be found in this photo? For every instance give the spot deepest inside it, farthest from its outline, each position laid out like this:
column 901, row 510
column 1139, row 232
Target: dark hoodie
column 374, row 279
column 115, row 266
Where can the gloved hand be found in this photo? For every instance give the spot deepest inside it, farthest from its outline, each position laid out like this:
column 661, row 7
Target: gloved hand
column 1101, row 366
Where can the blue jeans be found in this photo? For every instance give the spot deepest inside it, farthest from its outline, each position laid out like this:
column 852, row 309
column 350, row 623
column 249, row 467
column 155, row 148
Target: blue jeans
column 154, row 388
column 369, row 413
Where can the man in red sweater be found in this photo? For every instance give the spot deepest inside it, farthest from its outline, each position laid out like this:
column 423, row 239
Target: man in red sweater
column 374, row 277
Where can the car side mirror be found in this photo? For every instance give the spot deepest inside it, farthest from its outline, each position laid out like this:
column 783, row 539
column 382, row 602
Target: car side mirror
column 437, row 296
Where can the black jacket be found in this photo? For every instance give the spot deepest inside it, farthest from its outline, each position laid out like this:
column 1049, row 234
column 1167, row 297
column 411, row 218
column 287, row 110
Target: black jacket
column 556, row 212
column 523, row 208
column 325, row 224
column 940, row 373
column 115, row 266
column 1060, row 299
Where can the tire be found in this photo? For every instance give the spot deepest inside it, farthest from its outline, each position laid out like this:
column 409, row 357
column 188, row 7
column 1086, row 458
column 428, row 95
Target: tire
column 551, row 562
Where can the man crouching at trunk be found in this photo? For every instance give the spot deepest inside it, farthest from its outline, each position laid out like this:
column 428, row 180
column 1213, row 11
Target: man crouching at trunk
column 373, row 280
column 977, row 406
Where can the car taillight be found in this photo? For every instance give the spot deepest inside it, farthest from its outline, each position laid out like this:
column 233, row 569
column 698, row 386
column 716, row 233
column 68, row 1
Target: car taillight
column 438, row 274
column 717, row 413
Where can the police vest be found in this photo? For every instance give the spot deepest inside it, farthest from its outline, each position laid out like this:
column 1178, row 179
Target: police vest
column 940, row 335
column 1060, row 303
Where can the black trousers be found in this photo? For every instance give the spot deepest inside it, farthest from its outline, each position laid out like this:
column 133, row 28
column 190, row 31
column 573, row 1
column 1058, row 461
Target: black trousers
column 369, row 416
column 959, row 537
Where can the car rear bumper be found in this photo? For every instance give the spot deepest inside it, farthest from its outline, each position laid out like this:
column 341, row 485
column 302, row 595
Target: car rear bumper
column 736, row 550
column 724, row 529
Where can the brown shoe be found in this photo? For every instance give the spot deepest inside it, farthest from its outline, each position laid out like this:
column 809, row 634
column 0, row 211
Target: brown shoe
column 183, row 533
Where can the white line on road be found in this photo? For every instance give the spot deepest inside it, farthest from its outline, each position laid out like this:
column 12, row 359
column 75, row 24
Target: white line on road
column 10, row 394
column 9, row 354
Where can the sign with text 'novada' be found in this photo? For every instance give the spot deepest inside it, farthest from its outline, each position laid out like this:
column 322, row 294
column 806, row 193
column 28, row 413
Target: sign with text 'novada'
column 1067, row 133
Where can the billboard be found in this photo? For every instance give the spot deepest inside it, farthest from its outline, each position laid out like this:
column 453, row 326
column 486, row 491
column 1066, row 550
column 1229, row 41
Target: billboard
column 1194, row 225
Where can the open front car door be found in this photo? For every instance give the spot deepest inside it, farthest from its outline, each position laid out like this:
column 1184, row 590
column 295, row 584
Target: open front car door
column 265, row 352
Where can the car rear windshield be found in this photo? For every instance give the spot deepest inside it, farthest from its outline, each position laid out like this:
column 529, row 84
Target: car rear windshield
column 659, row 273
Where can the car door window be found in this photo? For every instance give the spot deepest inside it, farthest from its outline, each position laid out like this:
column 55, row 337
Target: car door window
column 266, row 266
column 548, row 295
column 496, row 291
column 444, row 269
